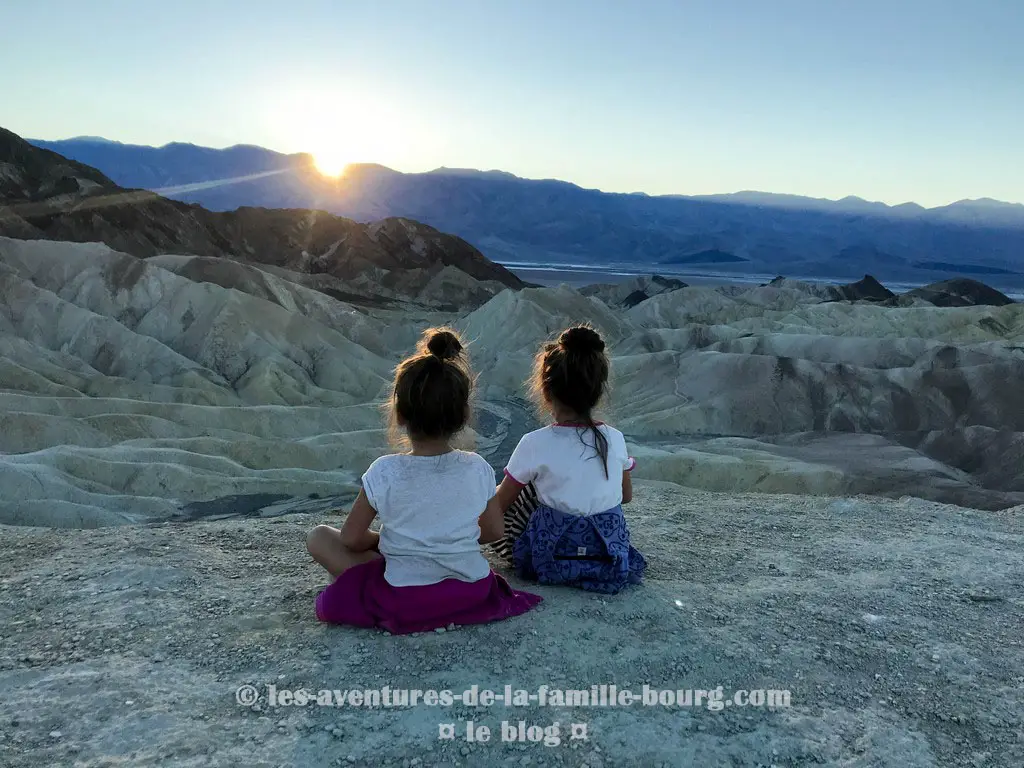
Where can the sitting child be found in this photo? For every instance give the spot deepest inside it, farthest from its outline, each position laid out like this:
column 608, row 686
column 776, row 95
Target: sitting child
column 578, row 469
column 425, row 568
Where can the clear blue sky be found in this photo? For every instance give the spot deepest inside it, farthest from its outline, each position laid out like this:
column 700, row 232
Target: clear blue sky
column 901, row 100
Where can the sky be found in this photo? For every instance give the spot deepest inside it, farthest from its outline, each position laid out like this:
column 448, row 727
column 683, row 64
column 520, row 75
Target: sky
column 904, row 100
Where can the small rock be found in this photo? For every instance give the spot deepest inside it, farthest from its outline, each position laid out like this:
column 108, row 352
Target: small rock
column 55, row 734
column 983, row 597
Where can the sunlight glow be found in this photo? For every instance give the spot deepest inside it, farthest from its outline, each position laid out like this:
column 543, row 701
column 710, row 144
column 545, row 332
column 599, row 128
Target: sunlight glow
column 344, row 123
column 330, row 162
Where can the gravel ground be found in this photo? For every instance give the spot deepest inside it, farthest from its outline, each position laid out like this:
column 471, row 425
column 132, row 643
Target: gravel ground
column 894, row 625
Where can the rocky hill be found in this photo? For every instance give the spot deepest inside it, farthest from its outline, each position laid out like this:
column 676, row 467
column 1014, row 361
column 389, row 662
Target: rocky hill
column 133, row 389
column 959, row 292
column 45, row 196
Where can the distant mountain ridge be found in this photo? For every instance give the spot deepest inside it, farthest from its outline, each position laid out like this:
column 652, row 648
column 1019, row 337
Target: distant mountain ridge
column 514, row 219
column 272, row 159
column 473, row 172
column 982, row 211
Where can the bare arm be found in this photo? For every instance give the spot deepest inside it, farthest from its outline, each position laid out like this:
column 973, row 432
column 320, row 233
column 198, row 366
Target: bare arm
column 492, row 521
column 506, row 493
column 355, row 533
column 627, row 487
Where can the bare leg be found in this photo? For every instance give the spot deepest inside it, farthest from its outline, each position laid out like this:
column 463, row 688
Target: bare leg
column 324, row 544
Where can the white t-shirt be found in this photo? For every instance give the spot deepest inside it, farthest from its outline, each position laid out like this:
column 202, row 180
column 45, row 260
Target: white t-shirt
column 567, row 473
column 429, row 507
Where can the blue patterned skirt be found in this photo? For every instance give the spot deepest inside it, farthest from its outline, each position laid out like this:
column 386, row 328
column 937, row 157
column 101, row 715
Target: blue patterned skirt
column 593, row 552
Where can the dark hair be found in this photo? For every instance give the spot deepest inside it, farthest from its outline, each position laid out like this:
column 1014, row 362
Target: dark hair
column 430, row 397
column 573, row 372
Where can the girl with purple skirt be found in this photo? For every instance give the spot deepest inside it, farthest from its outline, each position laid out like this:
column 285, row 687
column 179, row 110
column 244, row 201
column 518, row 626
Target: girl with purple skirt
column 425, row 568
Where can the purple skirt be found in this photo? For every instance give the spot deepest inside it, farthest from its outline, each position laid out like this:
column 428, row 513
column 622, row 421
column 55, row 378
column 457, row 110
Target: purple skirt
column 361, row 597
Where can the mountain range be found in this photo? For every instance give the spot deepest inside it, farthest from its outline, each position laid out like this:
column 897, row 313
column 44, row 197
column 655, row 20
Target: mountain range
column 515, row 220
column 46, row 196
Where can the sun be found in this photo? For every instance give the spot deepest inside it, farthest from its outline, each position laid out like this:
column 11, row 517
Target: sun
column 330, row 163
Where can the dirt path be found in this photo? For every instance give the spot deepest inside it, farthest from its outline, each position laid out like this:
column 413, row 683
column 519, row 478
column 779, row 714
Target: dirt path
column 896, row 627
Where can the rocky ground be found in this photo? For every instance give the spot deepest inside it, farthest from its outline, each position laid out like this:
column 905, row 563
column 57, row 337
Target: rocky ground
column 895, row 625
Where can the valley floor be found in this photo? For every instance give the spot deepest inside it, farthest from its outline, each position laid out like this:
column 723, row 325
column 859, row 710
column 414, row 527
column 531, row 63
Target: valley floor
column 895, row 625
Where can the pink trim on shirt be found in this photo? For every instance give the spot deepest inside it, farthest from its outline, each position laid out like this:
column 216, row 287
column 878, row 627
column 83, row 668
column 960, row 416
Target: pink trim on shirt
column 632, row 464
column 576, row 424
column 509, row 476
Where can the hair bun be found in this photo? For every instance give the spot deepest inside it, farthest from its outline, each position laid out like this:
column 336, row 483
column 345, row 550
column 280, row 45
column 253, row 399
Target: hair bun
column 580, row 338
column 443, row 343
